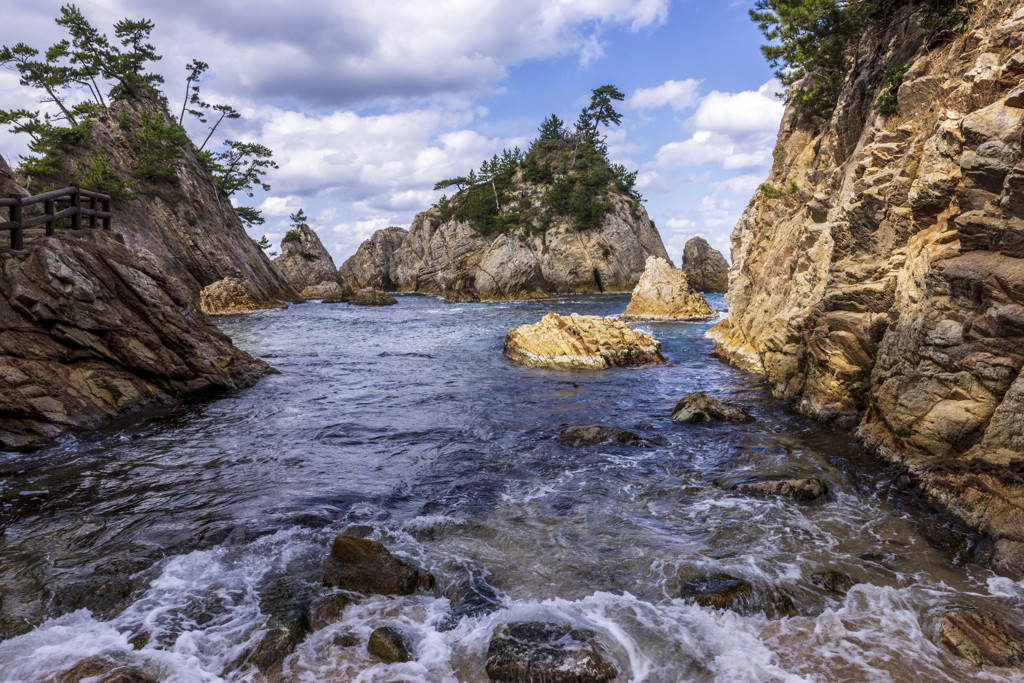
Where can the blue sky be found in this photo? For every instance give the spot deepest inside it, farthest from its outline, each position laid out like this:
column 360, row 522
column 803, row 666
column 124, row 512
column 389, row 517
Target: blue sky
column 366, row 105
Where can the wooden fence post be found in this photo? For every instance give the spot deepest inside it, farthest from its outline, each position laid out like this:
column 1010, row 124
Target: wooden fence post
column 76, row 201
column 17, row 234
column 106, row 209
column 48, row 209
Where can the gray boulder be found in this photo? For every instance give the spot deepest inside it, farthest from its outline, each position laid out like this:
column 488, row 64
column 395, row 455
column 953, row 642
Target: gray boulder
column 705, row 267
column 304, row 261
column 700, row 407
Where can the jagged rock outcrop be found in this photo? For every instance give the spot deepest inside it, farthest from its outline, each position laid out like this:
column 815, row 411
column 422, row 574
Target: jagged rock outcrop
column 887, row 293
column 664, row 293
column 91, row 329
column 304, row 262
column 330, row 292
column 370, row 266
column 186, row 223
column 451, row 257
column 232, row 296
column 580, row 341
column 367, row 296
column 9, row 185
column 705, row 267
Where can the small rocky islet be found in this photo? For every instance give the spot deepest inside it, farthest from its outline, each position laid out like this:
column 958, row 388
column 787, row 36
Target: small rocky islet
column 876, row 285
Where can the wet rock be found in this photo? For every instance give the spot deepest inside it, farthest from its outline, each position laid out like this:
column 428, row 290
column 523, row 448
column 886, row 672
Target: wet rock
column 470, row 596
column 427, row 582
column 553, row 653
column 100, row 670
column 724, row 591
column 980, row 637
column 664, row 293
column 700, row 407
column 591, row 435
column 272, row 649
column 803, row 490
column 705, row 267
column 358, row 564
column 304, row 261
column 285, row 602
column 390, row 644
column 327, row 610
column 105, row 596
column 834, row 581
column 372, row 297
column 231, row 296
column 580, row 341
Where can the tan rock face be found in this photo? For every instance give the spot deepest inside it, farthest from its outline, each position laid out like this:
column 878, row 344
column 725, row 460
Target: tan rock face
column 90, row 330
column 664, row 293
column 580, row 341
column 705, row 267
column 230, row 296
column 887, row 294
column 9, row 185
column 324, row 290
column 370, row 266
column 451, row 259
column 304, row 262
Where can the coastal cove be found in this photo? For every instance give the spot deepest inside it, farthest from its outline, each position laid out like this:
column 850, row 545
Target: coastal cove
column 160, row 541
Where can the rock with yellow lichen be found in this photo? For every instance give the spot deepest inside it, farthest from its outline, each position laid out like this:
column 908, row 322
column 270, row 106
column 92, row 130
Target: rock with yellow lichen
column 580, row 341
column 232, row 295
column 664, row 293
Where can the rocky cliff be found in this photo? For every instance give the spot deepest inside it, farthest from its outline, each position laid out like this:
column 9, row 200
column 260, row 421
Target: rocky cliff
column 878, row 275
column 304, row 262
column 184, row 221
column 91, row 329
column 370, row 266
column 705, row 267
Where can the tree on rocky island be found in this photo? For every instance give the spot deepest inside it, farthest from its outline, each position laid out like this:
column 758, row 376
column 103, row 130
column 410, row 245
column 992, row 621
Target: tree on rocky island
column 298, row 218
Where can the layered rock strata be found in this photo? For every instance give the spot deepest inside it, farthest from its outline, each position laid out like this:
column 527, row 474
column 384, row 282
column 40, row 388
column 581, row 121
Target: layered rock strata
column 304, row 262
column 370, row 266
column 91, row 329
column 887, row 293
column 664, row 293
column 232, row 296
column 580, row 341
column 705, row 267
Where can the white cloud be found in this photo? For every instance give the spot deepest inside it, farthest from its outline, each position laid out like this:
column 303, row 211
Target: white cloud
column 740, row 112
column 706, row 147
column 679, row 94
column 740, row 185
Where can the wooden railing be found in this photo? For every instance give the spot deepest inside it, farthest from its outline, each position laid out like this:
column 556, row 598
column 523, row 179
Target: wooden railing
column 98, row 208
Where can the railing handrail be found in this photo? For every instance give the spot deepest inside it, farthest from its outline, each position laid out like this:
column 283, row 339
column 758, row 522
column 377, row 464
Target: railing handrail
column 99, row 208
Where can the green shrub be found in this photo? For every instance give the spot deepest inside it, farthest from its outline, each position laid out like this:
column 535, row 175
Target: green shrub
column 158, row 144
column 888, row 102
column 291, row 236
column 98, row 176
column 771, row 192
column 308, row 256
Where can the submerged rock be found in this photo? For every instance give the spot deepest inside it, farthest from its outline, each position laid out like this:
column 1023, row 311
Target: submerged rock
column 980, row 637
column 700, row 407
column 470, row 596
column 390, row 644
column 99, row 670
column 834, row 581
column 372, row 297
column 327, row 610
column 705, row 267
column 580, row 341
column 553, row 653
column 304, row 261
column 591, row 435
column 664, row 293
column 724, row 591
column 358, row 564
column 803, row 490
column 232, row 295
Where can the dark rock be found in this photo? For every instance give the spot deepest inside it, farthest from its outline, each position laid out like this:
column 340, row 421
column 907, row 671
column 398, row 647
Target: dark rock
column 981, row 637
column 426, row 582
column 834, row 581
column 803, row 490
column 700, row 407
column 723, row 591
column 372, row 297
column 104, row 671
column 548, row 652
column 591, row 435
column 273, row 648
column 327, row 610
column 285, row 601
column 390, row 644
column 365, row 566
column 471, row 596
column 1015, row 98
column 705, row 267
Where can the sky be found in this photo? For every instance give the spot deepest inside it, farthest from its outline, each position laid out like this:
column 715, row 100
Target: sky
column 367, row 104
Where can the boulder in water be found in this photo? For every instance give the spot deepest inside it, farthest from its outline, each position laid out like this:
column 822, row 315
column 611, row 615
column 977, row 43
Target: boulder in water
column 368, row 296
column 231, row 296
column 304, row 261
column 705, row 267
column 370, row 266
column 328, row 291
column 580, row 341
column 390, row 644
column 700, row 407
column 803, row 490
column 664, row 293
column 365, row 566
column 981, row 637
column 834, row 581
column 591, row 435
column 554, row 653
column 100, row 670
column 724, row 591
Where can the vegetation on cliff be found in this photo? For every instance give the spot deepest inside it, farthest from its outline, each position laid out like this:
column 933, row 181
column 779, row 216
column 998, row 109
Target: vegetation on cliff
column 87, row 67
column 570, row 166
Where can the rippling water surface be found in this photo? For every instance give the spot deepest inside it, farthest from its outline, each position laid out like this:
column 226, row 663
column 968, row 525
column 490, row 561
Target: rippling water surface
column 150, row 543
